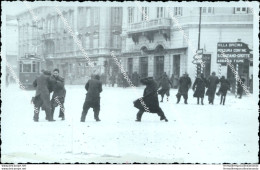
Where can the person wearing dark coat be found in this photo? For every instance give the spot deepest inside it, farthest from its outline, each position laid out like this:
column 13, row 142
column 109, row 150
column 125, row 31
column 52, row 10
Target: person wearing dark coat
column 112, row 80
column 59, row 93
column 184, row 85
column 199, row 88
column 212, row 85
column 149, row 102
column 103, row 79
column 94, row 88
column 166, row 84
column 224, row 87
column 240, row 88
column 251, row 84
column 42, row 97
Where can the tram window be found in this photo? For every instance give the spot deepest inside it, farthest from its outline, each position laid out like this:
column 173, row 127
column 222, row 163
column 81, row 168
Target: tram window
column 21, row 67
column 26, row 68
column 34, row 67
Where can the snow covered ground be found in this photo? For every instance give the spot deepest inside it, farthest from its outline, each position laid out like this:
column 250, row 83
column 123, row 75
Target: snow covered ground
column 194, row 133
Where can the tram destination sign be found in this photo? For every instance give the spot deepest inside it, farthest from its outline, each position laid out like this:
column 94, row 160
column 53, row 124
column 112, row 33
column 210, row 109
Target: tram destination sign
column 235, row 52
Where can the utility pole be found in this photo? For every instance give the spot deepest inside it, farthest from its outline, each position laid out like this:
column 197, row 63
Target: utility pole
column 199, row 68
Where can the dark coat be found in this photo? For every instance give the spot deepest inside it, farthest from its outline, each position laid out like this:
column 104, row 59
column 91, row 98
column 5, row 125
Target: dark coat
column 43, row 89
column 184, row 85
column 150, row 96
column 58, row 88
column 165, row 83
column 199, row 87
column 212, row 85
column 240, row 87
column 224, row 86
column 94, row 88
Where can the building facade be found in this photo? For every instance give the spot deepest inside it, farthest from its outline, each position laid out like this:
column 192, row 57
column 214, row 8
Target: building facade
column 11, row 47
column 97, row 28
column 159, row 39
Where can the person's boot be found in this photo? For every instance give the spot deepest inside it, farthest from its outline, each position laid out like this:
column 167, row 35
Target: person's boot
column 224, row 100
column 83, row 117
column 202, row 101
column 164, row 118
column 178, row 100
column 198, row 100
column 221, row 98
column 138, row 116
column 167, row 98
column 185, row 101
column 96, row 115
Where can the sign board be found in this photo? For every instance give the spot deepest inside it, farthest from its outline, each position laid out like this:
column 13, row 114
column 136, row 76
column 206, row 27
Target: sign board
column 235, row 52
column 199, row 51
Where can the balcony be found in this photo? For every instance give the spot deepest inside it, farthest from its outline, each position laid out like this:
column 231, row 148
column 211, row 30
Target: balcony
column 149, row 29
column 150, row 25
column 48, row 36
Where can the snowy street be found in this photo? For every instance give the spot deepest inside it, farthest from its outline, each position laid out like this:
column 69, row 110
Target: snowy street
column 194, row 133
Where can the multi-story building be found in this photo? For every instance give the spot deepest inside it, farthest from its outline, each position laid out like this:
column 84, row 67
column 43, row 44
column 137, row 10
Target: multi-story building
column 11, row 46
column 160, row 39
column 97, row 28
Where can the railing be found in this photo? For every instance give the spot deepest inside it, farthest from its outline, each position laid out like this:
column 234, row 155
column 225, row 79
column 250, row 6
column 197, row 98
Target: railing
column 48, row 35
column 150, row 24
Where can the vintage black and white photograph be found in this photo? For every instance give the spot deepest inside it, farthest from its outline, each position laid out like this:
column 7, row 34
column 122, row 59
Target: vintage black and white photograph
column 129, row 82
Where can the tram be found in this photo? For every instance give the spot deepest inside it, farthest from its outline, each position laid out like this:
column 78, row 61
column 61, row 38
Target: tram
column 29, row 69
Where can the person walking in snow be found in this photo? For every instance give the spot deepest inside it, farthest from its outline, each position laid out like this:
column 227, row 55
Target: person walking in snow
column 184, row 85
column 199, row 88
column 212, row 85
column 94, row 88
column 224, row 87
column 165, row 85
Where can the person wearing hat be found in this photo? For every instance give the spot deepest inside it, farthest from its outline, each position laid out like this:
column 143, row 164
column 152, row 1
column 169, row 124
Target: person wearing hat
column 184, row 85
column 212, row 86
column 149, row 102
column 59, row 93
column 224, row 87
column 165, row 85
column 94, row 88
column 42, row 97
column 199, row 88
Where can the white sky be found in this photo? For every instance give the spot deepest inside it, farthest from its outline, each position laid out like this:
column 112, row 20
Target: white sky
column 16, row 7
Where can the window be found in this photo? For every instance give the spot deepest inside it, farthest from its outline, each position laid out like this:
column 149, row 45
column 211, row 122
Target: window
column 117, row 15
column 34, row 67
column 96, row 16
column 88, row 16
column 58, row 45
column 21, row 67
column 95, row 43
column 160, row 12
column 144, row 14
column 116, row 41
column 27, row 68
column 87, row 44
column 207, row 10
column 241, row 10
column 178, row 11
column 70, row 44
column 130, row 15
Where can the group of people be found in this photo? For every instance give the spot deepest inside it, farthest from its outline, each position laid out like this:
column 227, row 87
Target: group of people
column 119, row 79
column 45, row 84
column 199, row 87
column 49, row 82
